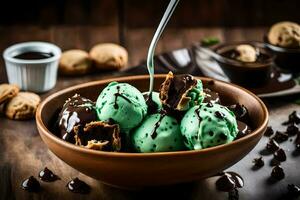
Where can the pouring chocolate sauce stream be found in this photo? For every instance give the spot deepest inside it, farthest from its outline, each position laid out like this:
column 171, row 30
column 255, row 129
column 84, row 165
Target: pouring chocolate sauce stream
column 150, row 57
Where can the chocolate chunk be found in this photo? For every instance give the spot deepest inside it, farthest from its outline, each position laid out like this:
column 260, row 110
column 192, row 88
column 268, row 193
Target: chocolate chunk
column 210, row 104
column 78, row 186
column 293, row 118
column 219, row 115
column 47, row 175
column 244, row 130
column 269, row 131
column 240, row 112
column 293, row 190
column 225, row 183
column 277, row 173
column 272, row 145
column 173, row 91
column 280, row 155
column 280, row 136
column 211, row 96
column 229, row 181
column 31, row 184
column 292, row 129
column 258, row 162
column 99, row 136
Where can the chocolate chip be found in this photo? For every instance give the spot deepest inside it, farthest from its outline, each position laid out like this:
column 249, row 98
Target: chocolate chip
column 277, row 173
column 280, row 136
column 293, row 118
column 272, row 146
column 269, row 131
column 209, row 104
column 280, row 155
column 292, row 129
column 240, row 111
column 258, row 162
column 219, row 115
column 211, row 133
column 223, row 136
column 31, row 184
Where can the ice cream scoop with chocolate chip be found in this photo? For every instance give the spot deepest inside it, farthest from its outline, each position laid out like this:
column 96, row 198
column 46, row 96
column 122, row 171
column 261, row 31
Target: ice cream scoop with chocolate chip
column 181, row 92
column 285, row 34
column 208, row 125
column 77, row 110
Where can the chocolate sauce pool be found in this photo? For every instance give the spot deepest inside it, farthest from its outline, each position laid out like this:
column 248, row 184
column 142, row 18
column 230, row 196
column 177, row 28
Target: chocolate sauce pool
column 34, row 55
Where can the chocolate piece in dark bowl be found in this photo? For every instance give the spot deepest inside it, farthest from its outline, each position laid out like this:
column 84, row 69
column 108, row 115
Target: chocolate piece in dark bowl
column 249, row 74
column 77, row 110
column 244, row 130
column 241, row 112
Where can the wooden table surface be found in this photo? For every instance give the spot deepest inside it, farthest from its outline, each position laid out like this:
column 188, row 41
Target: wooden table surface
column 22, row 152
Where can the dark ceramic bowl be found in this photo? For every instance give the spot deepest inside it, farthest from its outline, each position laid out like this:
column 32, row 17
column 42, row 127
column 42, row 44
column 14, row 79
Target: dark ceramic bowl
column 132, row 170
column 285, row 58
column 245, row 73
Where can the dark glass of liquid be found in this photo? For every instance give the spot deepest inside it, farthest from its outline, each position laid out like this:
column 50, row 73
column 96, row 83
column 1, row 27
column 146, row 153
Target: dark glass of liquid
column 34, row 55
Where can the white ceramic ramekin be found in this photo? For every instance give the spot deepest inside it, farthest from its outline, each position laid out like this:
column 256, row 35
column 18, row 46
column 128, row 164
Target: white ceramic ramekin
column 32, row 75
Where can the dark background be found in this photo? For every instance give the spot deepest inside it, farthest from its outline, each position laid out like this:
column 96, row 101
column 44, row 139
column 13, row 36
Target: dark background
column 145, row 13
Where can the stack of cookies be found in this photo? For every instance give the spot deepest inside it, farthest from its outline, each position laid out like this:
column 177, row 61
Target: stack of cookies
column 106, row 56
column 17, row 105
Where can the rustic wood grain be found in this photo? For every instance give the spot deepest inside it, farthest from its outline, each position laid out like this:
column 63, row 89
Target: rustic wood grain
column 22, row 152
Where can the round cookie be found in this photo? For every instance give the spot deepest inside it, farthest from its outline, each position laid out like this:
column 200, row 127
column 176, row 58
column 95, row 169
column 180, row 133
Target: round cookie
column 22, row 106
column 7, row 92
column 74, row 62
column 285, row 34
column 109, row 56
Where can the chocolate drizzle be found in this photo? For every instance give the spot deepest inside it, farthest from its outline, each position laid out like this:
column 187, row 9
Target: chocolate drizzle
column 118, row 94
column 31, row 184
column 197, row 111
column 152, row 106
column 47, row 175
column 156, row 125
column 243, row 128
column 78, row 186
column 76, row 111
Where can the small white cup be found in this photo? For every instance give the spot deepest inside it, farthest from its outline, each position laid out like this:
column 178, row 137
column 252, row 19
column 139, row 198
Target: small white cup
column 37, row 75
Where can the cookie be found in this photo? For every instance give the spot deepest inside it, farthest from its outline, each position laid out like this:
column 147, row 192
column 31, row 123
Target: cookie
column 285, row 34
column 7, row 92
column 74, row 62
column 109, row 56
column 22, row 106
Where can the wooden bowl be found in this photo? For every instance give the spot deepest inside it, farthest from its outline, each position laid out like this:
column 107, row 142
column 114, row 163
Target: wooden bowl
column 131, row 170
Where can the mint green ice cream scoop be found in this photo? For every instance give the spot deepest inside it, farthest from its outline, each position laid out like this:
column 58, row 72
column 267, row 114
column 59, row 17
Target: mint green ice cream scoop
column 157, row 133
column 208, row 125
column 123, row 104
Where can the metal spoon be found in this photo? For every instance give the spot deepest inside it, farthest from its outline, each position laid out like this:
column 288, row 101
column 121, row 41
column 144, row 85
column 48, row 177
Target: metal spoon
column 150, row 60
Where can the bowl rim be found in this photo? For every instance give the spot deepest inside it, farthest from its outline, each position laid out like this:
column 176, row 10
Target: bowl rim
column 249, row 65
column 43, row 130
